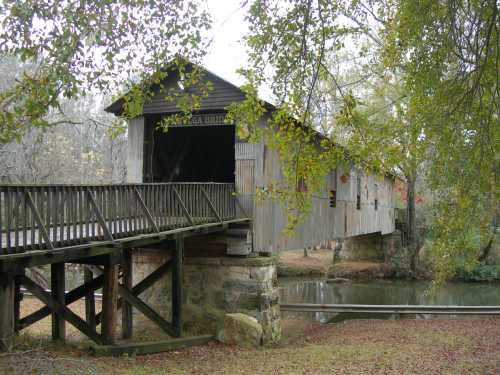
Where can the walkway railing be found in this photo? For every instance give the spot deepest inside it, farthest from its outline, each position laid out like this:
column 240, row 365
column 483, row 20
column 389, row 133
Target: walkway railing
column 51, row 216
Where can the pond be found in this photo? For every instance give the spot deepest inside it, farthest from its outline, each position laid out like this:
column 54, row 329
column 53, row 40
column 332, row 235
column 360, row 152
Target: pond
column 383, row 292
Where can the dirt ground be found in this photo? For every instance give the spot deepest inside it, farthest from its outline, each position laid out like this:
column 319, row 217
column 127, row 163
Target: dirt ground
column 294, row 263
column 413, row 347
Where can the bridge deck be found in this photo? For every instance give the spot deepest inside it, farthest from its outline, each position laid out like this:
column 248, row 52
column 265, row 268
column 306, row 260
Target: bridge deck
column 52, row 217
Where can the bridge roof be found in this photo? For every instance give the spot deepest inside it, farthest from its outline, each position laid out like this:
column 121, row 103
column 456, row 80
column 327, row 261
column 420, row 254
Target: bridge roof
column 222, row 94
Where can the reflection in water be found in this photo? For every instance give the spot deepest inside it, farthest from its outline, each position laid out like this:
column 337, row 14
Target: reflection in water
column 383, row 292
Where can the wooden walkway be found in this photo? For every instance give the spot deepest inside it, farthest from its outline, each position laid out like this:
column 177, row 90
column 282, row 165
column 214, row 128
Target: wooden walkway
column 49, row 217
column 101, row 225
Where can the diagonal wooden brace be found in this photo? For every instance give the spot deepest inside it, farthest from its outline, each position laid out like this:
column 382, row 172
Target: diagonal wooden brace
column 38, row 219
column 100, row 218
column 147, row 311
column 70, row 297
column 66, row 313
column 183, row 206
column 146, row 210
column 210, row 203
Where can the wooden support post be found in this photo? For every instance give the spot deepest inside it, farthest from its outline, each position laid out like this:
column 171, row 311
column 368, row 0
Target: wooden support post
column 18, row 297
column 177, row 286
column 58, row 285
column 7, row 291
column 127, row 320
column 109, row 302
column 89, row 299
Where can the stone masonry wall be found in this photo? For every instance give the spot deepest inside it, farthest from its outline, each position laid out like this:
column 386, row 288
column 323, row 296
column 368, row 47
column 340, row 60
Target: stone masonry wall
column 371, row 247
column 214, row 286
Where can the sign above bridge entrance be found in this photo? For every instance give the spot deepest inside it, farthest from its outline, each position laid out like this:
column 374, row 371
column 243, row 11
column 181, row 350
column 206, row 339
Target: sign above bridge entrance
column 208, row 119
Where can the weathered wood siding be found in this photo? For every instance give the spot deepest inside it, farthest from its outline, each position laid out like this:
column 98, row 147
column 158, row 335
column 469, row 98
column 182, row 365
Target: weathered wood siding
column 245, row 154
column 324, row 223
column 258, row 166
column 135, row 150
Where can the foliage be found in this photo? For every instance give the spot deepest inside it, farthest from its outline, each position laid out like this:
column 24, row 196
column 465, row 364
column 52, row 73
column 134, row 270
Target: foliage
column 454, row 89
column 422, row 96
column 480, row 272
column 73, row 48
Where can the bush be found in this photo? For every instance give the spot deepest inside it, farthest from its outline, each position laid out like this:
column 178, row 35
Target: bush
column 481, row 272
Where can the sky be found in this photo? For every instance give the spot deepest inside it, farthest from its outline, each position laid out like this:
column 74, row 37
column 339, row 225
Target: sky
column 227, row 53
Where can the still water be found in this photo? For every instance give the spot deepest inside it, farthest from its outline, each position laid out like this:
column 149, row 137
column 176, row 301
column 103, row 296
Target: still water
column 382, row 292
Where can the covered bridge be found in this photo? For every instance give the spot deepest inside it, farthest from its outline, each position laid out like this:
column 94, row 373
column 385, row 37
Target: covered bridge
column 209, row 150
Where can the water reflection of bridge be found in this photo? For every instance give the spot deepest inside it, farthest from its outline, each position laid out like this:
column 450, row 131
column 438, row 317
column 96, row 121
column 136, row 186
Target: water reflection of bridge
column 100, row 225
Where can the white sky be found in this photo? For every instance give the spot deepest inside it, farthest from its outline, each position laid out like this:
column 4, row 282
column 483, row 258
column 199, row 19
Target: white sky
column 227, row 52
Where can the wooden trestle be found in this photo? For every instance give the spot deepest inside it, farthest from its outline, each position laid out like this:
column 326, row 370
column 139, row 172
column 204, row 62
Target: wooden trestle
column 99, row 227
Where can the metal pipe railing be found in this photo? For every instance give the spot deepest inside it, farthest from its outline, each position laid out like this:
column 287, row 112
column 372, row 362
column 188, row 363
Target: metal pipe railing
column 391, row 309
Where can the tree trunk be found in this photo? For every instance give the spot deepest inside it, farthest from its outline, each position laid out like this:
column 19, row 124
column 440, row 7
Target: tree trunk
column 412, row 221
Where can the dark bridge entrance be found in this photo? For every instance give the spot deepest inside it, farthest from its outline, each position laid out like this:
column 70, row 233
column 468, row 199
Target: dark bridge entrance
column 189, row 153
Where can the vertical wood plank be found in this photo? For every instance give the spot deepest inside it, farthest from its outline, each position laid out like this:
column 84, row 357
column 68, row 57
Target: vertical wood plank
column 177, row 286
column 127, row 320
column 57, row 285
column 89, row 300
column 109, row 302
column 7, row 291
column 18, row 297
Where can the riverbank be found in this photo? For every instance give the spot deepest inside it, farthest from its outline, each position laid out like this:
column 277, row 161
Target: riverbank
column 464, row 346
column 319, row 263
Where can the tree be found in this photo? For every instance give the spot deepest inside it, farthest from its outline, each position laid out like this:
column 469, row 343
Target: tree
column 446, row 112
column 450, row 55
column 74, row 47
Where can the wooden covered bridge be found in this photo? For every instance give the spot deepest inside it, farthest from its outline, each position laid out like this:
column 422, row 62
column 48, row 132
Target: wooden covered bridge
column 101, row 225
column 197, row 178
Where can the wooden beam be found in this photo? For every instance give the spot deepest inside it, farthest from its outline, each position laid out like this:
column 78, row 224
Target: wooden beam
column 109, row 303
column 147, row 311
column 7, row 324
column 67, row 314
column 177, row 286
column 127, row 319
column 212, row 207
column 71, row 254
column 143, row 285
column 88, row 276
column 99, row 216
column 70, row 297
column 141, row 348
column 57, row 286
column 183, row 206
column 38, row 219
column 145, row 210
column 18, row 297
column 39, row 258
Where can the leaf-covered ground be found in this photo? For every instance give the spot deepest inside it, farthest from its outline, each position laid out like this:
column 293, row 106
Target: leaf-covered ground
column 441, row 346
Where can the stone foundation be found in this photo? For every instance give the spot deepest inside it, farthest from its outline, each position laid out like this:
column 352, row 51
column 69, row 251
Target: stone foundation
column 213, row 287
column 371, row 247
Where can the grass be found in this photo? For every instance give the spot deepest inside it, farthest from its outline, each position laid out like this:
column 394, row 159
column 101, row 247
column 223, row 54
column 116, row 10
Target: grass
column 441, row 346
